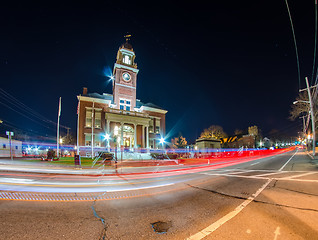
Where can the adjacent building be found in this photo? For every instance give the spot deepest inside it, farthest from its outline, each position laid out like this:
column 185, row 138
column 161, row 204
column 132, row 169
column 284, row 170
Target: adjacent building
column 119, row 119
column 16, row 148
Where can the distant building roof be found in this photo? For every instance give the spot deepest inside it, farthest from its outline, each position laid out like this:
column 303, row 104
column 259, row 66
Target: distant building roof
column 107, row 96
column 207, row 140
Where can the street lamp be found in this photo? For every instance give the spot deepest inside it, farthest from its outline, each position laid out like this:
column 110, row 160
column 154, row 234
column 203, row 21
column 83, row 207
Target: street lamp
column 107, row 137
column 162, row 141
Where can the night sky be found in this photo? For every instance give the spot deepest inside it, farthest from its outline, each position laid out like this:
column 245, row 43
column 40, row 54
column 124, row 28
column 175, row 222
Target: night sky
column 229, row 63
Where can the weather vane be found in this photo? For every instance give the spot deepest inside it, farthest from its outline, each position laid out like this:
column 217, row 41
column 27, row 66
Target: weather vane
column 127, row 36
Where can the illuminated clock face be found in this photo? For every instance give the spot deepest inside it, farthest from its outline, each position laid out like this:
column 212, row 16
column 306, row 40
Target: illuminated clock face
column 126, row 76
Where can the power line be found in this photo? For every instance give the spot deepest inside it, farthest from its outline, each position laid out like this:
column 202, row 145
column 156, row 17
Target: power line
column 295, row 43
column 315, row 48
column 25, row 108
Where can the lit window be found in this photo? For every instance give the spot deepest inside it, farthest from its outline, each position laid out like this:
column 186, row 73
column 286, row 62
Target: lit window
column 98, row 119
column 88, row 139
column 151, row 126
column 88, row 121
column 126, row 59
column 97, row 141
column 157, row 125
column 125, row 104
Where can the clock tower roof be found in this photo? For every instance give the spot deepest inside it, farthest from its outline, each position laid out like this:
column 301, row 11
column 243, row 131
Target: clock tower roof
column 127, row 45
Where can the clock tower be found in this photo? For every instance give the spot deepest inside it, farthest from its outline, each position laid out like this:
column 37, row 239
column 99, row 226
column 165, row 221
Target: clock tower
column 125, row 74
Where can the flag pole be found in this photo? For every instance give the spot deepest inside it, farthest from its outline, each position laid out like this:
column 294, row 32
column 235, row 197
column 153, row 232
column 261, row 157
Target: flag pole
column 93, row 122
column 58, row 130
column 78, row 113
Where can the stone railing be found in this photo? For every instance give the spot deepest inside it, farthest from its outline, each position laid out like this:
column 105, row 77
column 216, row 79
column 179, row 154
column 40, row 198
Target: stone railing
column 130, row 113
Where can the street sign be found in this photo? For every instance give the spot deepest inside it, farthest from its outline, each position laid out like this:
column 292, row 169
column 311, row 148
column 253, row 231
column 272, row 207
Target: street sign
column 8, row 133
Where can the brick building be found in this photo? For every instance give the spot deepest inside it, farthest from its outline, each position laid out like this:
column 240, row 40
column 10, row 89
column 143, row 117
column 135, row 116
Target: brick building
column 119, row 116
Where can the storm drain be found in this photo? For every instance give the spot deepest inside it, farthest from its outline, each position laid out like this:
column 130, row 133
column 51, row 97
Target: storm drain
column 161, row 227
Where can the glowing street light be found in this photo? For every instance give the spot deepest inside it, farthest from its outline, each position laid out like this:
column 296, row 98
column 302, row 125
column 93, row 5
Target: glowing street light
column 107, row 137
column 162, row 141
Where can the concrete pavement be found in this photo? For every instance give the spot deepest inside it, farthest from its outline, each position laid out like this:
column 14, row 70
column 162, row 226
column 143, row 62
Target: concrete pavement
column 232, row 203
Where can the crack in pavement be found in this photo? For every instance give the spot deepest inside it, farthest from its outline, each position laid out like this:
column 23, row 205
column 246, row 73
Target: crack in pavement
column 103, row 234
column 256, row 201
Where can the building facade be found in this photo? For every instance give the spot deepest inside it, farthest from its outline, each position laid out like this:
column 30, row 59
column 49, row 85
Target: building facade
column 16, row 148
column 119, row 119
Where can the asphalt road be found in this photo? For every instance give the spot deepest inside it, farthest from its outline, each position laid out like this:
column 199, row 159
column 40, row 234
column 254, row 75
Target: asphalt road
column 269, row 198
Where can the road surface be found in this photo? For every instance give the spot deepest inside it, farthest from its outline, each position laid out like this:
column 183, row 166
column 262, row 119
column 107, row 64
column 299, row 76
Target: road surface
column 270, row 198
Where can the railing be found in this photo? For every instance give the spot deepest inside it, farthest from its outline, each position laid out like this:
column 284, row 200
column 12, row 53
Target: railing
column 130, row 113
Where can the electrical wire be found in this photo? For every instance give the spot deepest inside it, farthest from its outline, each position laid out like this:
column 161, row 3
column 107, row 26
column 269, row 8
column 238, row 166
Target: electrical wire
column 315, row 48
column 295, row 43
column 25, row 108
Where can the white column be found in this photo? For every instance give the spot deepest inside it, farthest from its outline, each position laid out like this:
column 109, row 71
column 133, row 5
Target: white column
column 107, row 126
column 135, row 137
column 147, row 137
column 107, row 132
column 122, row 134
column 143, row 136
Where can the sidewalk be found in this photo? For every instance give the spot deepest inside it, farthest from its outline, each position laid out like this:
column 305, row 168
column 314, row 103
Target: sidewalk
column 137, row 167
column 44, row 167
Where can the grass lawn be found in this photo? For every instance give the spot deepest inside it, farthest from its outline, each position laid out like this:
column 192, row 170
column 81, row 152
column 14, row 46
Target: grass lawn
column 85, row 161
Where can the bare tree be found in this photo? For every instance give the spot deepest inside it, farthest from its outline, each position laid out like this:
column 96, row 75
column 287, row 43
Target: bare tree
column 213, row 131
column 301, row 107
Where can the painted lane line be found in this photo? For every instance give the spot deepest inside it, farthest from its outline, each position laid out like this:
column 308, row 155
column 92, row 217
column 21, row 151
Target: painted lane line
column 288, row 161
column 238, row 176
column 214, row 226
column 267, row 174
column 261, row 178
column 301, row 175
column 255, row 163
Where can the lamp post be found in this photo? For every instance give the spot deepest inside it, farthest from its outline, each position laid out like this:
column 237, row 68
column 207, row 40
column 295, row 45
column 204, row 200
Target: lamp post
column 10, row 134
column 107, row 137
column 162, row 141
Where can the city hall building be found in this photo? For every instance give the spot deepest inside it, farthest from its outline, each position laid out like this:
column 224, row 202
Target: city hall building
column 119, row 119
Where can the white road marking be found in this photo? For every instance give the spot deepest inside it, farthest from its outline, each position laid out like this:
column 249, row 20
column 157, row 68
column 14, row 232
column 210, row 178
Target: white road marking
column 262, row 177
column 276, row 233
column 267, row 174
column 255, row 163
column 214, row 226
column 301, row 175
column 287, row 161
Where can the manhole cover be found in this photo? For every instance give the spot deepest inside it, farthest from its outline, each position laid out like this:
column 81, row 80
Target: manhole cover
column 161, row 227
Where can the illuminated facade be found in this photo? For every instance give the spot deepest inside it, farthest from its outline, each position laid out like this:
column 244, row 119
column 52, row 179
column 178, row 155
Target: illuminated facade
column 119, row 119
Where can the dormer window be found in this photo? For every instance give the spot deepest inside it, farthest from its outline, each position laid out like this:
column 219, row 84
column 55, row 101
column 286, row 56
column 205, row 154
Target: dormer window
column 126, row 59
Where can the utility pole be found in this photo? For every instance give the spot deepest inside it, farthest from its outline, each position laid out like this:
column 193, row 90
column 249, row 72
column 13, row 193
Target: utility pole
column 304, row 125
column 312, row 115
column 58, row 130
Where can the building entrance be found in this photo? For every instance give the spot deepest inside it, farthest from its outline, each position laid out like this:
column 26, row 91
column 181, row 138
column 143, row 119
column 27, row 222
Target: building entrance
column 128, row 136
